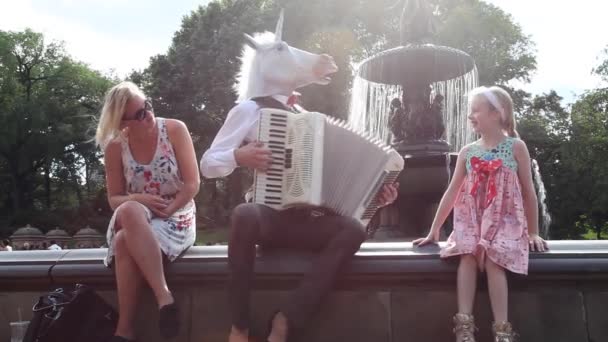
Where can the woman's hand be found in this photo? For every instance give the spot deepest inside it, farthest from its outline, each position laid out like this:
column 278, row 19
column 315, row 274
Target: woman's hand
column 169, row 210
column 155, row 203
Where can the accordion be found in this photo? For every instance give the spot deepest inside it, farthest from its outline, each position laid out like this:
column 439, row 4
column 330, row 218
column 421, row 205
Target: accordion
column 318, row 161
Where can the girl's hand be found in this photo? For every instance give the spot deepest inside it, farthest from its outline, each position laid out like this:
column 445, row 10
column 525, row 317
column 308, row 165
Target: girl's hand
column 431, row 238
column 537, row 243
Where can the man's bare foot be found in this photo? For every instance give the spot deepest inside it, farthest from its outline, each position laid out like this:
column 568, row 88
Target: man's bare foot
column 279, row 328
column 237, row 335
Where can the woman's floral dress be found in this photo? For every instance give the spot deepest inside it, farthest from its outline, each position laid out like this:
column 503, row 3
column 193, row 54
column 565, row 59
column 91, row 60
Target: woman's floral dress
column 161, row 177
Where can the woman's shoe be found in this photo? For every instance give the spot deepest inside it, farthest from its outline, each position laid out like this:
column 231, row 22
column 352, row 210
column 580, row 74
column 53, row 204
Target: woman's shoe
column 168, row 321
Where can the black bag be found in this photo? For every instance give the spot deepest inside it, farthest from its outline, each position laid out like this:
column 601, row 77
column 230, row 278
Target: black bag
column 71, row 315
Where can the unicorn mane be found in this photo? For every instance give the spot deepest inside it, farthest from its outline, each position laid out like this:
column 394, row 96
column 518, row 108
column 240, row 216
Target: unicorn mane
column 245, row 81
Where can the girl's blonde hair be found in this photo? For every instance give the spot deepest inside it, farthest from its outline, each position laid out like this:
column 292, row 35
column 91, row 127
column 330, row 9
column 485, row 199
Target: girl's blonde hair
column 500, row 101
column 113, row 109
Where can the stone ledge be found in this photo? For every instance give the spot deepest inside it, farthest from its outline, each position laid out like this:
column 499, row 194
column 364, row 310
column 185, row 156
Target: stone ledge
column 391, row 292
column 379, row 265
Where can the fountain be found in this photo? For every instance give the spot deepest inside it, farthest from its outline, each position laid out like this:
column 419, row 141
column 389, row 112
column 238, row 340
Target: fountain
column 543, row 211
column 414, row 97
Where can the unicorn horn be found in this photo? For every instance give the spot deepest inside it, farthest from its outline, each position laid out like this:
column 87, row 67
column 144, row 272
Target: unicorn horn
column 279, row 30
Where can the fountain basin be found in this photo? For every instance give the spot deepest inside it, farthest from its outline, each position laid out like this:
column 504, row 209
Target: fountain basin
column 390, row 292
column 416, row 64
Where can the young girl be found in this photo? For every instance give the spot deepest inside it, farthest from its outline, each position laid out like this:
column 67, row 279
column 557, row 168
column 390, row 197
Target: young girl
column 495, row 211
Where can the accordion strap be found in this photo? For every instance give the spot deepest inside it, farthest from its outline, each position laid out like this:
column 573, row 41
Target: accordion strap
column 271, row 102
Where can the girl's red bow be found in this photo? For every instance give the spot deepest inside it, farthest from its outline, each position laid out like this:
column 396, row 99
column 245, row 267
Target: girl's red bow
column 483, row 169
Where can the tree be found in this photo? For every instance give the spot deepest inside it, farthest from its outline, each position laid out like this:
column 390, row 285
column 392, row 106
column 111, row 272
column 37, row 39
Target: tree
column 588, row 155
column 502, row 52
column 545, row 125
column 47, row 105
column 602, row 69
column 571, row 147
column 193, row 80
column 592, row 225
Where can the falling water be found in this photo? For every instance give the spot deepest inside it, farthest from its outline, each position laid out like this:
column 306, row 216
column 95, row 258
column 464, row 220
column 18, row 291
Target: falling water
column 543, row 212
column 370, row 107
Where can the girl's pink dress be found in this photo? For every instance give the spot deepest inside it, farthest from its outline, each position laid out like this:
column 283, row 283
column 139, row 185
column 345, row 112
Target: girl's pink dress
column 489, row 218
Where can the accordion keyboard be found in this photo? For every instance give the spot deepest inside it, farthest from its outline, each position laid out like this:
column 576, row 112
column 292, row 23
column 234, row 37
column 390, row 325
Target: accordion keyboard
column 268, row 184
column 371, row 209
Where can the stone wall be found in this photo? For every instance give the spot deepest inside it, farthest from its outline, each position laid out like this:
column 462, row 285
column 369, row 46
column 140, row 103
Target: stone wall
column 390, row 292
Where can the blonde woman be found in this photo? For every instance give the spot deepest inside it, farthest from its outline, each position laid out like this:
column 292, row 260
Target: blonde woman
column 152, row 178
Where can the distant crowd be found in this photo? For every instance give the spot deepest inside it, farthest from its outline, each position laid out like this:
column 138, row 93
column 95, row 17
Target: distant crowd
column 5, row 246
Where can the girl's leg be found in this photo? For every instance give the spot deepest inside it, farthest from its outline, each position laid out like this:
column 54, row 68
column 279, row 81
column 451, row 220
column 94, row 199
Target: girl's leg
column 464, row 323
column 466, row 283
column 498, row 290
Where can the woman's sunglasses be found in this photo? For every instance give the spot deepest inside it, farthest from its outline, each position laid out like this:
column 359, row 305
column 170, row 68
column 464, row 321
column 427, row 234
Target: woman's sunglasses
column 141, row 113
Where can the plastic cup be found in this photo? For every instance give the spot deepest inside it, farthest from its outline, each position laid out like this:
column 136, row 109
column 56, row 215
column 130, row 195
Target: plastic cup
column 18, row 330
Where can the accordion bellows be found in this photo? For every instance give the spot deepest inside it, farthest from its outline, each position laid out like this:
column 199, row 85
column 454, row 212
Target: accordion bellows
column 320, row 161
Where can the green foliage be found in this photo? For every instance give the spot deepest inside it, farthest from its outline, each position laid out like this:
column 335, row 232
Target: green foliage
column 193, row 81
column 51, row 174
column 593, row 230
column 47, row 105
column 571, row 147
column 501, row 50
column 602, row 68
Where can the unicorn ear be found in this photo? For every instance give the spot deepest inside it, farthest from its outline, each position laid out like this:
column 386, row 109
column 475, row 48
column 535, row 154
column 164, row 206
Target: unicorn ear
column 279, row 30
column 250, row 41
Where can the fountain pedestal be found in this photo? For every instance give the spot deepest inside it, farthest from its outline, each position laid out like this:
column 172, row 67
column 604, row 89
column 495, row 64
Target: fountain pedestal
column 421, row 185
column 423, row 86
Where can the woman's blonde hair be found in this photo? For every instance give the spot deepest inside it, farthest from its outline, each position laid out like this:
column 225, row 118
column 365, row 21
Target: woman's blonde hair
column 113, row 109
column 500, row 101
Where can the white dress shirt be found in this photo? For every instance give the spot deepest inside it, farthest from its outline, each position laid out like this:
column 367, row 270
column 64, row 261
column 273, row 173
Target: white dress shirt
column 240, row 127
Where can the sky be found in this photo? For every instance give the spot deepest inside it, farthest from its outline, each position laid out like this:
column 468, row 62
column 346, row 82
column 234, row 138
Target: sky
column 117, row 35
column 121, row 35
column 570, row 37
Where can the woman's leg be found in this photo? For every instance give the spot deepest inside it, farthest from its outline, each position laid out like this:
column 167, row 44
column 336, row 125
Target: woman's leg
column 128, row 283
column 144, row 249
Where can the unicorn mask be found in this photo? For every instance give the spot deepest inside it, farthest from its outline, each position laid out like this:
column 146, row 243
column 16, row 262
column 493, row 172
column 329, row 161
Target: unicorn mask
column 269, row 66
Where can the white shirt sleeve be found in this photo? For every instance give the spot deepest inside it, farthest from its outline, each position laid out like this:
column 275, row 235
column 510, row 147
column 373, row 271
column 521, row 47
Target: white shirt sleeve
column 239, row 127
